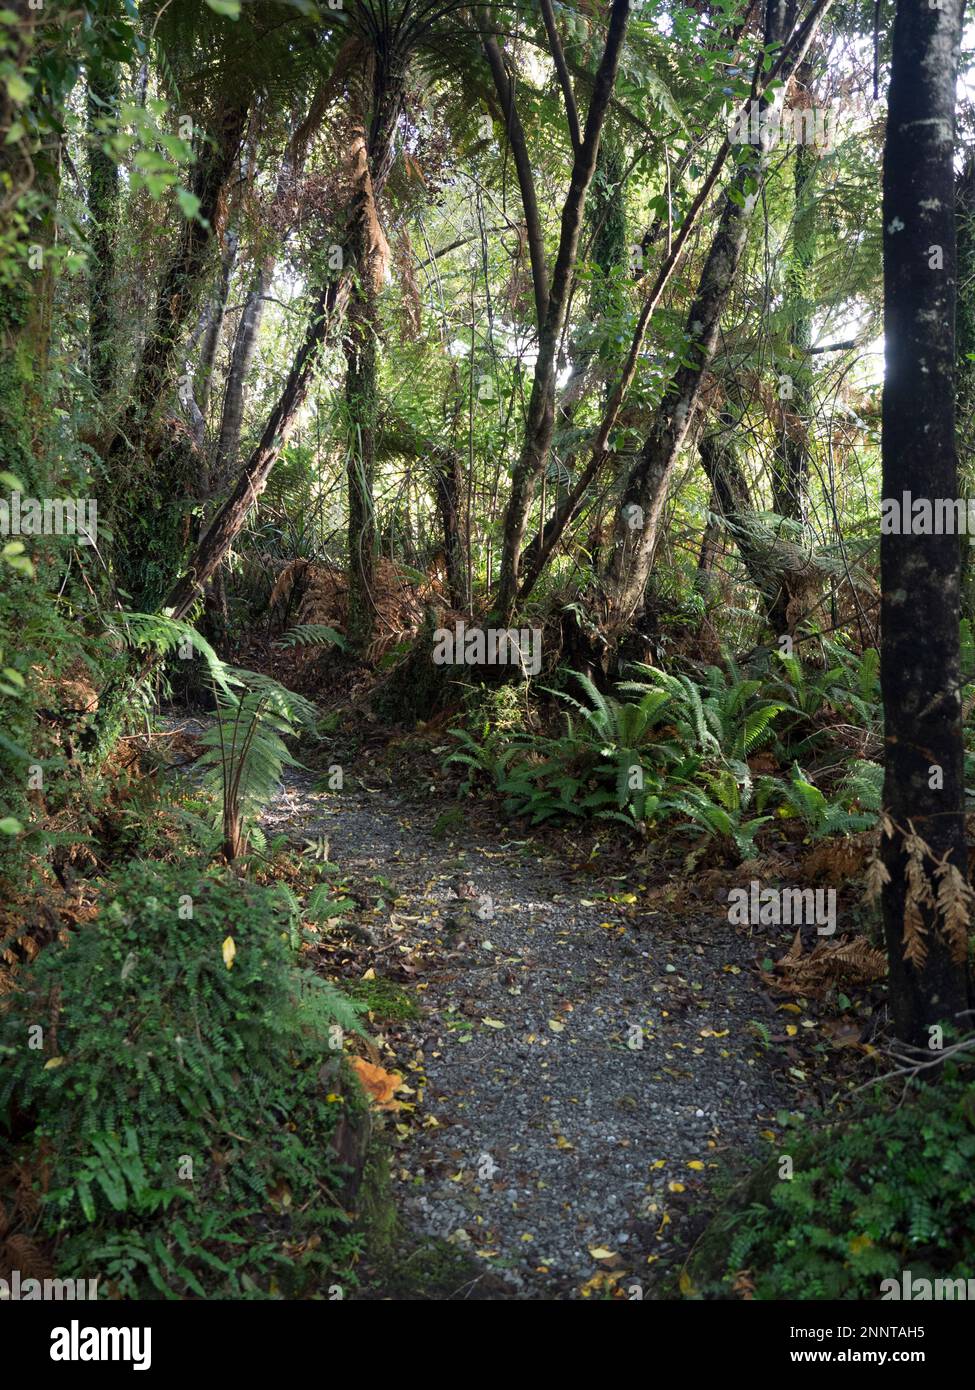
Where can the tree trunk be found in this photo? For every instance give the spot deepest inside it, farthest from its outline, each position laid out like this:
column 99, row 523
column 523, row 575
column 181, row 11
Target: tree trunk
column 241, row 361
column 245, row 340
column 639, row 520
column 448, row 488
column 147, row 463
column 223, row 530
column 103, row 192
column 965, row 364
column 790, row 472
column 184, row 274
column 920, row 657
column 372, row 156
column 362, row 255
column 212, row 327
column 541, row 407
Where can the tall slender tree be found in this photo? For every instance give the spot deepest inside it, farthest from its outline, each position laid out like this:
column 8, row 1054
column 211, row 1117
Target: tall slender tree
column 925, row 896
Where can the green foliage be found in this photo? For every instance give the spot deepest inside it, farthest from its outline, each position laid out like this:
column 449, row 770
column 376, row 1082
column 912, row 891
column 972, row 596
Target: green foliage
column 887, row 1189
column 170, row 1082
column 677, row 748
column 312, row 635
column 243, row 760
column 823, row 817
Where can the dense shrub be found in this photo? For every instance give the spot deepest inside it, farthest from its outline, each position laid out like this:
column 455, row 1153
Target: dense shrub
column 885, row 1191
column 175, row 1059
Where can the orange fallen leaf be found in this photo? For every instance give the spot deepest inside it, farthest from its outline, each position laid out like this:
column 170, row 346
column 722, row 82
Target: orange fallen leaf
column 379, row 1085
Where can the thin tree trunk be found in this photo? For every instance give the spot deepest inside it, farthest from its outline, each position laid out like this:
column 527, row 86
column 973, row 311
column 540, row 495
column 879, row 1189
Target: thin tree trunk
column 920, row 648
column 541, row 408
column 103, row 192
column 639, row 520
column 197, row 393
column 372, row 156
column 245, row 340
column 363, row 255
column 185, row 271
column 241, row 361
column 790, row 472
column 226, row 525
column 448, row 487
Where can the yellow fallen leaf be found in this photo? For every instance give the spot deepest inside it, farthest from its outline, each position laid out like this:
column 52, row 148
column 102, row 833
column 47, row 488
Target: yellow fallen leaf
column 370, row 974
column 676, row 1187
column 556, row 1026
column 53, row 1062
column 684, row 1283
column 601, row 1283
column 229, row 951
column 696, row 1164
column 492, row 1022
column 599, row 1252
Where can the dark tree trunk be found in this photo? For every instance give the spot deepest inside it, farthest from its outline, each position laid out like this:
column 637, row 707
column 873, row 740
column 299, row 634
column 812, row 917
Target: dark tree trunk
column 183, row 278
column 372, row 156
column 965, row 364
column 541, row 407
column 103, row 191
column 448, row 482
column 920, row 657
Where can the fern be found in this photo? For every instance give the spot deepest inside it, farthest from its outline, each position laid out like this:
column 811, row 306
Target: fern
column 312, row 635
column 243, row 761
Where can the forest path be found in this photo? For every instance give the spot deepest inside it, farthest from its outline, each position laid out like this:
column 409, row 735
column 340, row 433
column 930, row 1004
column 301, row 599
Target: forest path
column 582, row 1076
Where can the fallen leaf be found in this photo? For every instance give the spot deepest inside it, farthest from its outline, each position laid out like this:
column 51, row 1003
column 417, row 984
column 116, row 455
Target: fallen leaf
column 379, row 1085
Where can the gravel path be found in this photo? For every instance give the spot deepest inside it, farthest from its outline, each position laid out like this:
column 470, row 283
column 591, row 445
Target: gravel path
column 583, row 1072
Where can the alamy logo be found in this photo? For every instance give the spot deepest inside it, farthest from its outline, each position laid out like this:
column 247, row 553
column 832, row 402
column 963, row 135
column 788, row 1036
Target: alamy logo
column 50, row 516
column 77, row 1343
column 18, row 1290
column 925, row 1290
column 493, row 646
column 908, row 515
column 756, row 124
column 790, row 907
